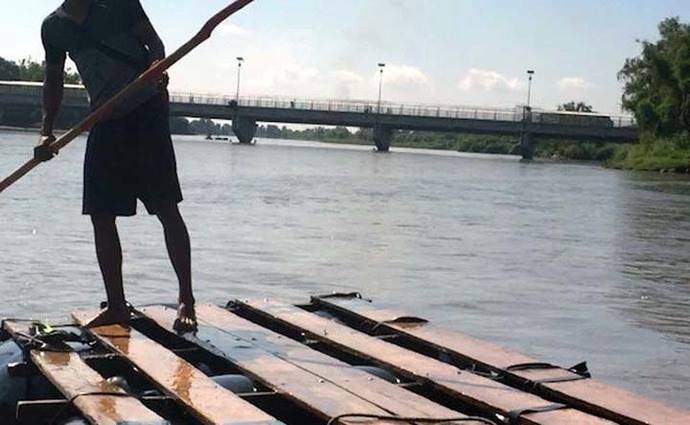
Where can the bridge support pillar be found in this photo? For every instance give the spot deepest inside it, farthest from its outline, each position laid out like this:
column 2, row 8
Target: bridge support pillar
column 244, row 129
column 382, row 138
column 527, row 146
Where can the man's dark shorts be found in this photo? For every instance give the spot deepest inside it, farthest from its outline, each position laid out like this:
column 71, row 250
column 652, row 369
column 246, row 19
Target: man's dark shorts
column 131, row 158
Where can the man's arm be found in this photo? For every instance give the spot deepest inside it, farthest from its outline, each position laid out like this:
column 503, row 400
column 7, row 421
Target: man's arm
column 53, row 87
column 149, row 37
column 142, row 28
column 53, row 82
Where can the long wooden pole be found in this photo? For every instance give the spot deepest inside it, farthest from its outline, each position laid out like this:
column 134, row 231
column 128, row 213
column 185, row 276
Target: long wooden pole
column 151, row 75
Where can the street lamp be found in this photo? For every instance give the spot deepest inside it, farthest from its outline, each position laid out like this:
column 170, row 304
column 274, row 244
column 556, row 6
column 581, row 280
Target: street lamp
column 381, row 67
column 530, row 74
column 526, row 137
column 239, row 73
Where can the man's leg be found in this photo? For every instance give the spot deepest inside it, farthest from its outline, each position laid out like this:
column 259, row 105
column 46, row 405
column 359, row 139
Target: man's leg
column 177, row 242
column 109, row 253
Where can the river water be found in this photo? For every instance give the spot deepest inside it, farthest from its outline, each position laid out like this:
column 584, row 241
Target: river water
column 566, row 262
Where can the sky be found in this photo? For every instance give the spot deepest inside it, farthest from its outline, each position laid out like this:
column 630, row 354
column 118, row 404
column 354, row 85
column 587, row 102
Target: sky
column 459, row 52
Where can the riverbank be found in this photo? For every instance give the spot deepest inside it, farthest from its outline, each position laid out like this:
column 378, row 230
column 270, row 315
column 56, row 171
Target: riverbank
column 469, row 143
column 558, row 150
column 651, row 154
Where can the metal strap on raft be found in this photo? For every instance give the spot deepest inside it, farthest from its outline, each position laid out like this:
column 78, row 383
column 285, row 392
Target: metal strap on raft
column 74, row 398
column 335, row 419
column 580, row 370
column 402, row 320
column 513, row 417
column 344, row 295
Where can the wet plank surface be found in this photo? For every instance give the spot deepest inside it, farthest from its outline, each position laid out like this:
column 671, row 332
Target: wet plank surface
column 322, row 384
column 72, row 377
column 475, row 390
column 175, row 377
column 590, row 394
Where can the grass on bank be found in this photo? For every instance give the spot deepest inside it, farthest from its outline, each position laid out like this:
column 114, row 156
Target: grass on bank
column 652, row 154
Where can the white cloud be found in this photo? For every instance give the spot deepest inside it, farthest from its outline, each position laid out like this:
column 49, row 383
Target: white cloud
column 348, row 77
column 488, row 81
column 404, row 75
column 347, row 83
column 573, row 83
column 302, row 73
column 280, row 68
column 227, row 29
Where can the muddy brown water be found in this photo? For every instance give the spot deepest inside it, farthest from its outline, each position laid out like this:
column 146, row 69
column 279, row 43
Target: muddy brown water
column 564, row 262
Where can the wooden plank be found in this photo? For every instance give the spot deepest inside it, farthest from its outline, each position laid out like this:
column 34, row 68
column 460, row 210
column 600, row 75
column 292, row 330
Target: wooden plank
column 388, row 396
column 480, row 392
column 588, row 394
column 204, row 399
column 321, row 384
column 74, row 378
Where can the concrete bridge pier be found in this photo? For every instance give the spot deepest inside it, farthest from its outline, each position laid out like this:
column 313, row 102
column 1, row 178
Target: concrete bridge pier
column 527, row 146
column 382, row 138
column 244, row 129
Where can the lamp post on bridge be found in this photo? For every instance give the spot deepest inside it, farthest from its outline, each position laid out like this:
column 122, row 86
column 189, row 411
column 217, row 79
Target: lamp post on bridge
column 526, row 145
column 381, row 67
column 530, row 74
column 240, row 59
column 382, row 134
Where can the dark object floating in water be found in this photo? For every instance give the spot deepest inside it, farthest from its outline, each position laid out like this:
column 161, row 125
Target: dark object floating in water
column 338, row 359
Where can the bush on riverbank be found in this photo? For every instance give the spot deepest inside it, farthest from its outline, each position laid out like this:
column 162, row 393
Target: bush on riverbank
column 657, row 85
column 576, row 151
column 505, row 145
column 471, row 143
column 655, row 154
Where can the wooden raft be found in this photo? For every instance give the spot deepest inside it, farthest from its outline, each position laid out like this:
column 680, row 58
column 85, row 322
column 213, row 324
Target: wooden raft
column 86, row 387
column 175, row 377
column 555, row 383
column 321, row 384
column 302, row 362
column 475, row 390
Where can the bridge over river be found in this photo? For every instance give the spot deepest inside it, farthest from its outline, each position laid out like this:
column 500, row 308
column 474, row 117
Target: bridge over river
column 528, row 126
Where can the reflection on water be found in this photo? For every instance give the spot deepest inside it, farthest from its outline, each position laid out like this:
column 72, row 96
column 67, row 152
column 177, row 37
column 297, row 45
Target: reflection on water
column 653, row 253
column 563, row 262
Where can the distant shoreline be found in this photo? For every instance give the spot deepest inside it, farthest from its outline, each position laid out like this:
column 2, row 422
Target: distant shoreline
column 20, row 129
column 413, row 146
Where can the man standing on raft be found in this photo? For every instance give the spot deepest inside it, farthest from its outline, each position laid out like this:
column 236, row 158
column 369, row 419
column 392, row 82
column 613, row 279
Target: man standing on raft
column 129, row 155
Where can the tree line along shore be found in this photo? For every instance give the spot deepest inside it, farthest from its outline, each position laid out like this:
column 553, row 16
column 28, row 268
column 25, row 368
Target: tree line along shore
column 656, row 90
column 473, row 143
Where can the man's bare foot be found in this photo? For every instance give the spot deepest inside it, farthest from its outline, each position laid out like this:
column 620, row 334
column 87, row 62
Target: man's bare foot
column 186, row 318
column 109, row 317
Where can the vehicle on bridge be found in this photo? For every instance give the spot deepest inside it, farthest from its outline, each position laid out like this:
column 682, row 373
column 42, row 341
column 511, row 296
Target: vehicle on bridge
column 572, row 118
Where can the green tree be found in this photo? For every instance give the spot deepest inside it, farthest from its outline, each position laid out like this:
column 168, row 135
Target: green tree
column 28, row 70
column 657, row 83
column 9, row 71
column 179, row 125
column 572, row 106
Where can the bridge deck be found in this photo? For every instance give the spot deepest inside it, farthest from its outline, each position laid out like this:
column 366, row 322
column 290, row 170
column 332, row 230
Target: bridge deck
column 418, row 117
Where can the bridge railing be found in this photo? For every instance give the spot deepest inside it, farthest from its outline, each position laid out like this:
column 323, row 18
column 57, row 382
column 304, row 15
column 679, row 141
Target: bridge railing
column 387, row 108
column 353, row 106
column 77, row 94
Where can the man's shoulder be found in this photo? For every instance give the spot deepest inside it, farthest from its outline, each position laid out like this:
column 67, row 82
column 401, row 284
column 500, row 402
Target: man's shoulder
column 53, row 21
